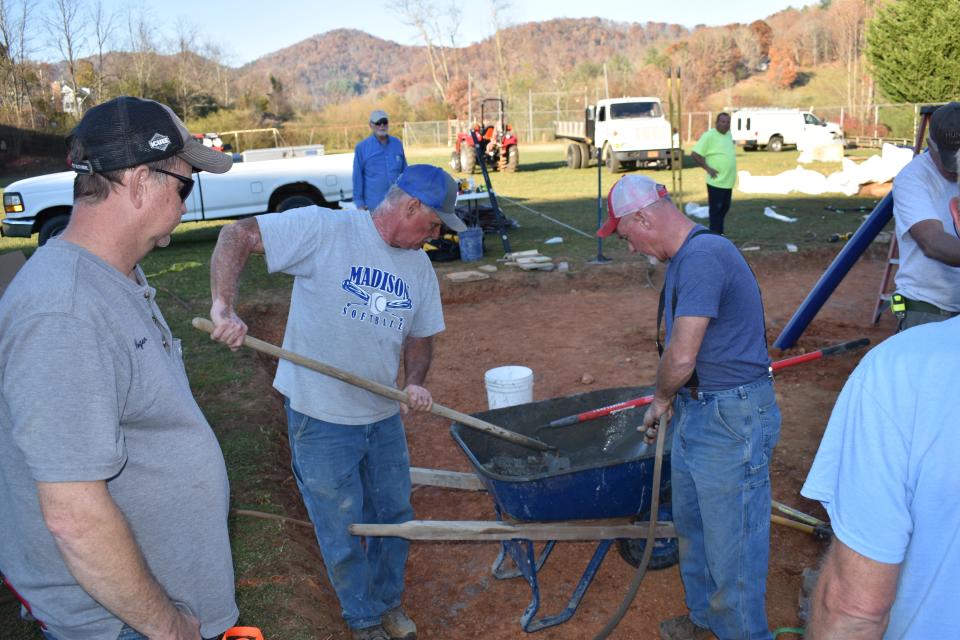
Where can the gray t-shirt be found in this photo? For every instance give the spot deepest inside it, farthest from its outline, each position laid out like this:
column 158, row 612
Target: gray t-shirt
column 355, row 299
column 92, row 387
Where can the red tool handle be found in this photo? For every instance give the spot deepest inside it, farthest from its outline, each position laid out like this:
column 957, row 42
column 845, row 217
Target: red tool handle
column 242, row 633
column 645, row 400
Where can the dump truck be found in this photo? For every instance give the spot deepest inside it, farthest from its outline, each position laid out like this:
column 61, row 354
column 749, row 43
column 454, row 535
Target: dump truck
column 631, row 133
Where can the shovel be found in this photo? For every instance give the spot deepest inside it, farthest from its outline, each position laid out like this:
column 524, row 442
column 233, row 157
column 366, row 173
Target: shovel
column 387, row 392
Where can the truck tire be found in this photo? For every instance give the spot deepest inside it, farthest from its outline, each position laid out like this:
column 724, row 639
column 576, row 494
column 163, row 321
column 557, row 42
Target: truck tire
column 295, row 202
column 53, row 227
column 513, row 158
column 573, row 156
column 468, row 158
column 775, row 144
column 455, row 161
column 586, row 154
column 610, row 159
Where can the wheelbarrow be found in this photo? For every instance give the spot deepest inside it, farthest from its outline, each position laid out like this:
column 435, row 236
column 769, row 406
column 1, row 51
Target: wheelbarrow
column 603, row 470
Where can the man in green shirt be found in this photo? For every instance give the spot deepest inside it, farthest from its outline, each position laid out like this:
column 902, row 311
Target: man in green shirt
column 715, row 152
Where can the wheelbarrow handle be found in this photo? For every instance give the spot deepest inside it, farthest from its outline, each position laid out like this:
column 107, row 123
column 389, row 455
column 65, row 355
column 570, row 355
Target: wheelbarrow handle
column 203, row 324
column 593, row 414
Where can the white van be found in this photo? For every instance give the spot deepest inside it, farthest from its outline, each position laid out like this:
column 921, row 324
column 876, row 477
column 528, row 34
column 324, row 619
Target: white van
column 776, row 128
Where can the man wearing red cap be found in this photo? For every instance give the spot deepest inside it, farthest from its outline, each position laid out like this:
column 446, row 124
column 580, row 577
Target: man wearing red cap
column 714, row 381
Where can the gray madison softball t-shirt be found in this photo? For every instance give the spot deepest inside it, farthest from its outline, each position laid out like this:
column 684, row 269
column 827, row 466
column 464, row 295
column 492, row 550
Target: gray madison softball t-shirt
column 355, row 300
column 93, row 388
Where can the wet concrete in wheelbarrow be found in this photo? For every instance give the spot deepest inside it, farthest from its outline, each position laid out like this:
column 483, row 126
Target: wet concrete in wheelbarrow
column 600, row 322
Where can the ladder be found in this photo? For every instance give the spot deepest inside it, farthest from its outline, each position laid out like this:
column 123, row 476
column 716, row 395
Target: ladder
column 893, row 251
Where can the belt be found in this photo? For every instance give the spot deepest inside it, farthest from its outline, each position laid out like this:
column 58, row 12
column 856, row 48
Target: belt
column 697, row 394
column 926, row 307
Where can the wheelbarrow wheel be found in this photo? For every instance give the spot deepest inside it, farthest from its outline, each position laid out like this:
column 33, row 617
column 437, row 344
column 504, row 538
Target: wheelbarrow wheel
column 666, row 551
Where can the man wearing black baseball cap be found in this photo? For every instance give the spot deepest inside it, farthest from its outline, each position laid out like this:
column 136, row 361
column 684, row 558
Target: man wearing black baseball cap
column 928, row 276
column 114, row 491
column 364, row 297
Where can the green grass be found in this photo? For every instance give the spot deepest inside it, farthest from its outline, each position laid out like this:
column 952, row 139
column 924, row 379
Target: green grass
column 250, row 427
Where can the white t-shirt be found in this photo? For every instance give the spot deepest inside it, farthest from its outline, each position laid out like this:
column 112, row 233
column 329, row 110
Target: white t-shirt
column 355, row 299
column 886, row 472
column 921, row 193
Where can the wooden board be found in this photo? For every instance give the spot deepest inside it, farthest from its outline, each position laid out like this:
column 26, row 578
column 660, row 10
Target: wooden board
column 445, row 479
column 481, row 530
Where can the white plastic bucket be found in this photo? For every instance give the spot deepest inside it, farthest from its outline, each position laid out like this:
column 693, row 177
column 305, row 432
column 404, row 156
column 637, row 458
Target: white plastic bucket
column 507, row 386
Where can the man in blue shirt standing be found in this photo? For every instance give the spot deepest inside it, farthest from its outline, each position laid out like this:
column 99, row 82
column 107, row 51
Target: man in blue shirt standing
column 378, row 161
column 713, row 380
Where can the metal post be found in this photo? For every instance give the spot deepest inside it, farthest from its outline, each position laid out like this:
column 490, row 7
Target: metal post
column 469, row 102
column 600, row 259
column 530, row 115
column 680, row 111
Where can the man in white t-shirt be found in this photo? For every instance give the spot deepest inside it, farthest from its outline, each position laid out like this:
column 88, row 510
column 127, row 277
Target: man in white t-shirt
column 928, row 278
column 886, row 474
column 364, row 298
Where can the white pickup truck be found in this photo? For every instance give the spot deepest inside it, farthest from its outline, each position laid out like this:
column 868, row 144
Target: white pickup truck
column 632, row 133
column 42, row 204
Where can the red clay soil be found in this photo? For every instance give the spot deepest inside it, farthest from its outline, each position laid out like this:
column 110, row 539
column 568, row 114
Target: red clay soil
column 597, row 324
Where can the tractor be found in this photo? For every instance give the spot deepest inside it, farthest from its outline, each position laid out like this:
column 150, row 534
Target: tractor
column 497, row 141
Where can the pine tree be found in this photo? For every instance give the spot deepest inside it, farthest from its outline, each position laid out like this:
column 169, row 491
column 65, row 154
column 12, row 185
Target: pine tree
column 914, row 50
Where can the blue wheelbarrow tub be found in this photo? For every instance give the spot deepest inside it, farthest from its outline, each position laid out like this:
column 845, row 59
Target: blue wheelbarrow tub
column 603, row 469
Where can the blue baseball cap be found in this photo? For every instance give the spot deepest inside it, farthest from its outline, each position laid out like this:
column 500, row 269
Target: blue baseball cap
column 435, row 188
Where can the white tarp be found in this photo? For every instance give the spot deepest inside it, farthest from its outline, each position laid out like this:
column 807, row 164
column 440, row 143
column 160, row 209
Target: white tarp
column 881, row 168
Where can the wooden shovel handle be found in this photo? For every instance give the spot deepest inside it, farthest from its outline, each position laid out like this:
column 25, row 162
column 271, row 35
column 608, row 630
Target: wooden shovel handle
column 203, row 324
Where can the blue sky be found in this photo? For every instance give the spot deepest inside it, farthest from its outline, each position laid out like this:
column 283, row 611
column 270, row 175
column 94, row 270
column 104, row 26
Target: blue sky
column 247, row 30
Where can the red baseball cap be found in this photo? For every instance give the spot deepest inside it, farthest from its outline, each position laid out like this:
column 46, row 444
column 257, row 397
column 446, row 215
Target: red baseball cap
column 629, row 195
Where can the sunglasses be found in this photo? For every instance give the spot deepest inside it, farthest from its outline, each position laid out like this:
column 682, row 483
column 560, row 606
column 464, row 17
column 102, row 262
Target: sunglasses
column 186, row 184
column 382, row 122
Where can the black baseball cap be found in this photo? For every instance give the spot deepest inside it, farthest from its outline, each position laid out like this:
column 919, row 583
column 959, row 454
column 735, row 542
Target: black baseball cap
column 945, row 133
column 126, row 132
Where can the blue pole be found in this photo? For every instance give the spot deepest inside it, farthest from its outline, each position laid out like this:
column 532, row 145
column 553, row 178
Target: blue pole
column 600, row 259
column 835, row 273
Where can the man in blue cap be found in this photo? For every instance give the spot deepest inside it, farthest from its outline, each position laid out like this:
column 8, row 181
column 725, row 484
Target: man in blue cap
column 378, row 160
column 364, row 296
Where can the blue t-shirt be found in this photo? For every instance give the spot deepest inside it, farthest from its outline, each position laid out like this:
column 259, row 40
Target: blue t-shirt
column 712, row 280
column 376, row 166
column 886, row 472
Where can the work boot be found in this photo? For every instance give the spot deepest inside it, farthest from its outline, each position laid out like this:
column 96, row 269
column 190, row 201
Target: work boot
column 376, row 632
column 683, row 628
column 399, row 625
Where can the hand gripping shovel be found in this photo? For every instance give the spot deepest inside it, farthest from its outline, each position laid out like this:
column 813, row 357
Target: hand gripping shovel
column 375, row 387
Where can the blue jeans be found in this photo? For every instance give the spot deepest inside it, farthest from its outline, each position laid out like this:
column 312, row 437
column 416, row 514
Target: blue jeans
column 351, row 474
column 722, row 443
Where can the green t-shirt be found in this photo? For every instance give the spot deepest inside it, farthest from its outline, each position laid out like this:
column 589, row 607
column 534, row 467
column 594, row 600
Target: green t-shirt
column 719, row 152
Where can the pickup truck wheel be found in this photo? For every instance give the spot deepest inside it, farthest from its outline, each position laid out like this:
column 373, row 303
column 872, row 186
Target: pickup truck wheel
column 573, row 156
column 613, row 165
column 295, row 202
column 513, row 158
column 586, row 155
column 52, row 228
column 468, row 158
column 455, row 161
column 775, row 144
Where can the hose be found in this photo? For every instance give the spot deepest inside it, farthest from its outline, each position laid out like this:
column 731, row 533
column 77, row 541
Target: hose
column 648, row 548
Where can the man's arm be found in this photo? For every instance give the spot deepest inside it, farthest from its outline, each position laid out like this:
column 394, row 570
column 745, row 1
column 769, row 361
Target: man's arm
column 700, row 160
column 102, row 554
column 853, row 596
column 936, row 243
column 358, row 178
column 676, row 366
column 417, row 355
column 235, row 244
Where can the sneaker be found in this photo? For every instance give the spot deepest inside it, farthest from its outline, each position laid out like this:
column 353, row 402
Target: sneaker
column 399, row 625
column 376, row 632
column 683, row 628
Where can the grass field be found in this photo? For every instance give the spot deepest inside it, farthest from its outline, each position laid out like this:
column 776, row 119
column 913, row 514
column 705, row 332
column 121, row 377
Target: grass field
column 219, row 378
